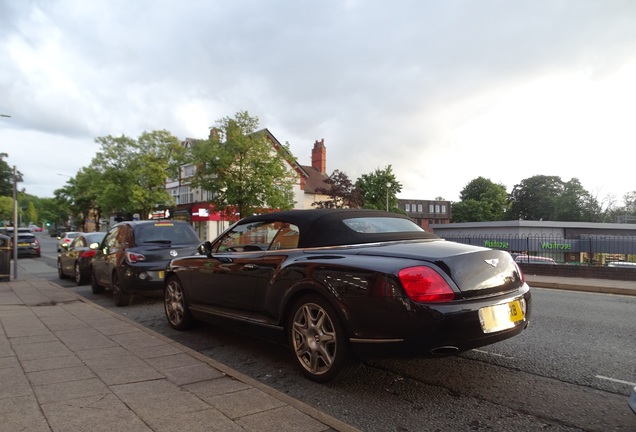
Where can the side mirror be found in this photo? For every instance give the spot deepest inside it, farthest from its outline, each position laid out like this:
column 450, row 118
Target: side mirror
column 205, row 248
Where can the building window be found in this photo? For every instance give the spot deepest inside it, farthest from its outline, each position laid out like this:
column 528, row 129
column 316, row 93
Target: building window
column 431, row 208
column 185, row 196
column 188, row 171
column 437, row 208
column 407, row 207
column 444, row 208
column 419, row 208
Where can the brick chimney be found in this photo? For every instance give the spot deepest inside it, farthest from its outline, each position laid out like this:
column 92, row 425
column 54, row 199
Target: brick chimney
column 319, row 156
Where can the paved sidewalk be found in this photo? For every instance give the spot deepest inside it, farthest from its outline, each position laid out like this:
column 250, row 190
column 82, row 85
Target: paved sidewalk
column 601, row 286
column 67, row 364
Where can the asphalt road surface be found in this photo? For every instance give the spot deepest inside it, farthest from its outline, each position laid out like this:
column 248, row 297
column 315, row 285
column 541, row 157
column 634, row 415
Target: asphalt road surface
column 570, row 371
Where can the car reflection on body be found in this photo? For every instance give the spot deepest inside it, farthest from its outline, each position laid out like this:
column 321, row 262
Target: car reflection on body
column 346, row 284
column 75, row 260
column 134, row 254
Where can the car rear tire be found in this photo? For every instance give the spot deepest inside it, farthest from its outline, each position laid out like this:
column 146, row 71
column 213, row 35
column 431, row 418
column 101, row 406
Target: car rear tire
column 96, row 287
column 60, row 272
column 176, row 306
column 121, row 298
column 77, row 272
column 318, row 341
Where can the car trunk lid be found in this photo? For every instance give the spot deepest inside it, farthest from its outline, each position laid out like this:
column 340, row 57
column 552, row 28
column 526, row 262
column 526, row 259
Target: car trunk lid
column 474, row 270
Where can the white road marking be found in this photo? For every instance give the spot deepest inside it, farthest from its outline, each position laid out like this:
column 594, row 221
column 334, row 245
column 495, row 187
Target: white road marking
column 494, row 354
column 615, row 380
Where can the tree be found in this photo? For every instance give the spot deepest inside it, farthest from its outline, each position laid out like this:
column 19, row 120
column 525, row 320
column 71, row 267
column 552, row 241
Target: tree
column 53, row 211
column 550, row 198
column 379, row 188
column 481, row 200
column 6, row 177
column 576, row 204
column 132, row 173
column 6, row 210
column 243, row 168
column 341, row 191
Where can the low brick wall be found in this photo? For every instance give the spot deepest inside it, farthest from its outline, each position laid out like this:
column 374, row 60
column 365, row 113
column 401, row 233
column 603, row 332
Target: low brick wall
column 580, row 271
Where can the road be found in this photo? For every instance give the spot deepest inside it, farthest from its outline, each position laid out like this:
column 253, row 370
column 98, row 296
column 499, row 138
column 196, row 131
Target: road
column 570, row 371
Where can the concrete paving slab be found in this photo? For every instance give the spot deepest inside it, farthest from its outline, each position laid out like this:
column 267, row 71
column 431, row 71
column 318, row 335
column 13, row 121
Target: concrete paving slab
column 191, row 374
column 137, row 339
column 101, row 413
column 82, row 339
column 172, row 361
column 59, row 375
column 41, row 350
column 70, row 390
column 125, row 374
column 9, row 361
column 282, row 419
column 22, row 413
column 14, row 383
column 51, row 363
column 206, row 390
column 245, row 402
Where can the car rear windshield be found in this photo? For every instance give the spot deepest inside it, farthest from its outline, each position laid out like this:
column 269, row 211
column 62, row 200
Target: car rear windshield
column 381, row 225
column 163, row 232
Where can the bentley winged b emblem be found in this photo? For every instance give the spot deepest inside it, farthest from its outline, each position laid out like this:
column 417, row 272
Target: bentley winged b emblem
column 493, row 262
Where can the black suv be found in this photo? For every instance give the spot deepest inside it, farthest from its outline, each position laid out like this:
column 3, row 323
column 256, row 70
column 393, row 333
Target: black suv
column 134, row 254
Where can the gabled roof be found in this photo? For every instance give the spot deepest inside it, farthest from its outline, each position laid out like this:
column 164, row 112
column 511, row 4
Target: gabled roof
column 314, row 180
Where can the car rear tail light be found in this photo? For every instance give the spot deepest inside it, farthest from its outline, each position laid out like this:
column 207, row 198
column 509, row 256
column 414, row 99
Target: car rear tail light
column 87, row 254
column 132, row 257
column 423, row 284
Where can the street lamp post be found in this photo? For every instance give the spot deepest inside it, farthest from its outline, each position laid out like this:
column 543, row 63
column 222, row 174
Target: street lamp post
column 15, row 222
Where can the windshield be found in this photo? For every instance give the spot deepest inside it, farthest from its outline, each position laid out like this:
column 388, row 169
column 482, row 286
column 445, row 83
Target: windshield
column 166, row 233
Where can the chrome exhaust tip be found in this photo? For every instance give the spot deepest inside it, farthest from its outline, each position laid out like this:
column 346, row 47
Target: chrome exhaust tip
column 445, row 350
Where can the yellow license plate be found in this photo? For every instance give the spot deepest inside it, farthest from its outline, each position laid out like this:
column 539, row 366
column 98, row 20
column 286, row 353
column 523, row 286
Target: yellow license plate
column 161, row 274
column 501, row 317
column 24, row 244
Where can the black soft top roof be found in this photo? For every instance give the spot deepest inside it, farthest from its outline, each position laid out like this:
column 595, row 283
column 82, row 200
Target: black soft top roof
column 325, row 227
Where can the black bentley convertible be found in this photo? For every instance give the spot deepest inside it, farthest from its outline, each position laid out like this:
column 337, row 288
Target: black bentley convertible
column 345, row 284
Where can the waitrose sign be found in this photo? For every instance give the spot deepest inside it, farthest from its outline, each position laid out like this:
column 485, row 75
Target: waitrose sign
column 524, row 244
column 556, row 246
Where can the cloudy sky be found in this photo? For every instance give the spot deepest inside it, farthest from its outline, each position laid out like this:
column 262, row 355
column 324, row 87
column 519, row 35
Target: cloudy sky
column 444, row 91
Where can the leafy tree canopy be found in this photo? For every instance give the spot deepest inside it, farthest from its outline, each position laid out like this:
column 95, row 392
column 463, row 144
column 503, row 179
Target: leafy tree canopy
column 341, row 192
column 550, row 198
column 481, row 201
column 379, row 189
column 131, row 172
column 6, row 177
column 244, row 170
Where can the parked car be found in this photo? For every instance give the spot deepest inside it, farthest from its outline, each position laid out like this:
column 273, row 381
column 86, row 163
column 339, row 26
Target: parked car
column 134, row 254
column 346, row 284
column 531, row 259
column 57, row 231
column 28, row 244
column 65, row 239
column 76, row 259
